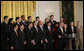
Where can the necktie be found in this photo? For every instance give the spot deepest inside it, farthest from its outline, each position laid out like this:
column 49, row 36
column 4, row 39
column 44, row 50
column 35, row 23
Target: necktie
column 16, row 33
column 62, row 31
column 50, row 31
column 31, row 30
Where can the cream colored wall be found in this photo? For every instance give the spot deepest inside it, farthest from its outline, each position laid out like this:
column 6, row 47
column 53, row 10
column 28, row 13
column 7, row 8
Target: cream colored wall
column 45, row 8
column 79, row 11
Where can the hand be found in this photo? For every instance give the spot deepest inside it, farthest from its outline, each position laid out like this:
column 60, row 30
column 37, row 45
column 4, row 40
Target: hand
column 75, row 38
column 46, row 40
column 12, row 47
column 41, row 41
column 24, row 42
column 7, row 38
column 53, row 40
column 32, row 41
column 59, row 36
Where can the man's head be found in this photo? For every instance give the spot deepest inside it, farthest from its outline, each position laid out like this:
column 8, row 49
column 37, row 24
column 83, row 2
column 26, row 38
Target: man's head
column 18, row 19
column 23, row 17
column 6, row 18
column 56, row 25
column 21, row 26
column 15, row 26
column 30, row 24
column 48, row 23
column 51, row 17
column 40, row 23
column 71, row 23
column 61, row 19
column 65, row 25
column 46, row 20
column 61, row 24
column 35, row 23
column 37, row 18
column 29, row 18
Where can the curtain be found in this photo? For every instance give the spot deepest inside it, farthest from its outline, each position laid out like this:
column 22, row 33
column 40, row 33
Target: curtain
column 14, row 9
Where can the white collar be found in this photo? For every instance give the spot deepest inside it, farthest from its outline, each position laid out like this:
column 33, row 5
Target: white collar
column 14, row 30
column 23, row 21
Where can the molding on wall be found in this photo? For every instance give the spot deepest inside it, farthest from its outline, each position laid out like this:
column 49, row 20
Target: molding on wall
column 74, row 13
column 60, row 5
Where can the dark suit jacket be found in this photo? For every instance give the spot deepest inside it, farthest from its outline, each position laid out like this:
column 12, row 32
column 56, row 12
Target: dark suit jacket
column 14, row 40
column 48, row 36
column 42, row 33
column 29, row 35
column 59, row 32
column 21, row 38
column 36, row 35
column 53, row 24
column 4, row 34
column 70, row 30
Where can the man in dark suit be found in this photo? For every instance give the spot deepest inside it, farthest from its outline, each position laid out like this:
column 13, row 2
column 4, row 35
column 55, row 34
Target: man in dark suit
column 18, row 20
column 22, row 41
column 49, row 36
column 52, row 21
column 37, row 19
column 72, row 30
column 29, row 19
column 14, row 38
column 60, row 33
column 4, row 33
column 42, row 35
column 29, row 37
column 36, row 35
column 23, row 21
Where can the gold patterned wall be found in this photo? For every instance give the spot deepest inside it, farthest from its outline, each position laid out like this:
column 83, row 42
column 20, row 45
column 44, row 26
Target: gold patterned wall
column 17, row 8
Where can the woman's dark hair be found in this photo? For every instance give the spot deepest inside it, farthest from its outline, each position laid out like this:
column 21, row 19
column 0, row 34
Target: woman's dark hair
column 29, row 23
column 14, row 25
column 9, row 22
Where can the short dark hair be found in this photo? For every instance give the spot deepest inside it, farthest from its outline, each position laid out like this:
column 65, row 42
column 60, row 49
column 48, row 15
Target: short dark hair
column 22, row 16
column 17, row 18
column 28, row 17
column 14, row 25
column 21, row 24
column 5, row 17
column 29, row 23
column 51, row 15
column 37, row 17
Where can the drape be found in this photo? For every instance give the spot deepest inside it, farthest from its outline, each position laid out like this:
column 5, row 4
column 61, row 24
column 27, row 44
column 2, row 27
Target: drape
column 14, row 9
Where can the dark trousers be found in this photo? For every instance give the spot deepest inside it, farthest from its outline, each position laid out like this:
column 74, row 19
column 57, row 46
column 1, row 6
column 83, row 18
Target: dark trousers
column 73, row 44
column 49, row 45
column 60, row 44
